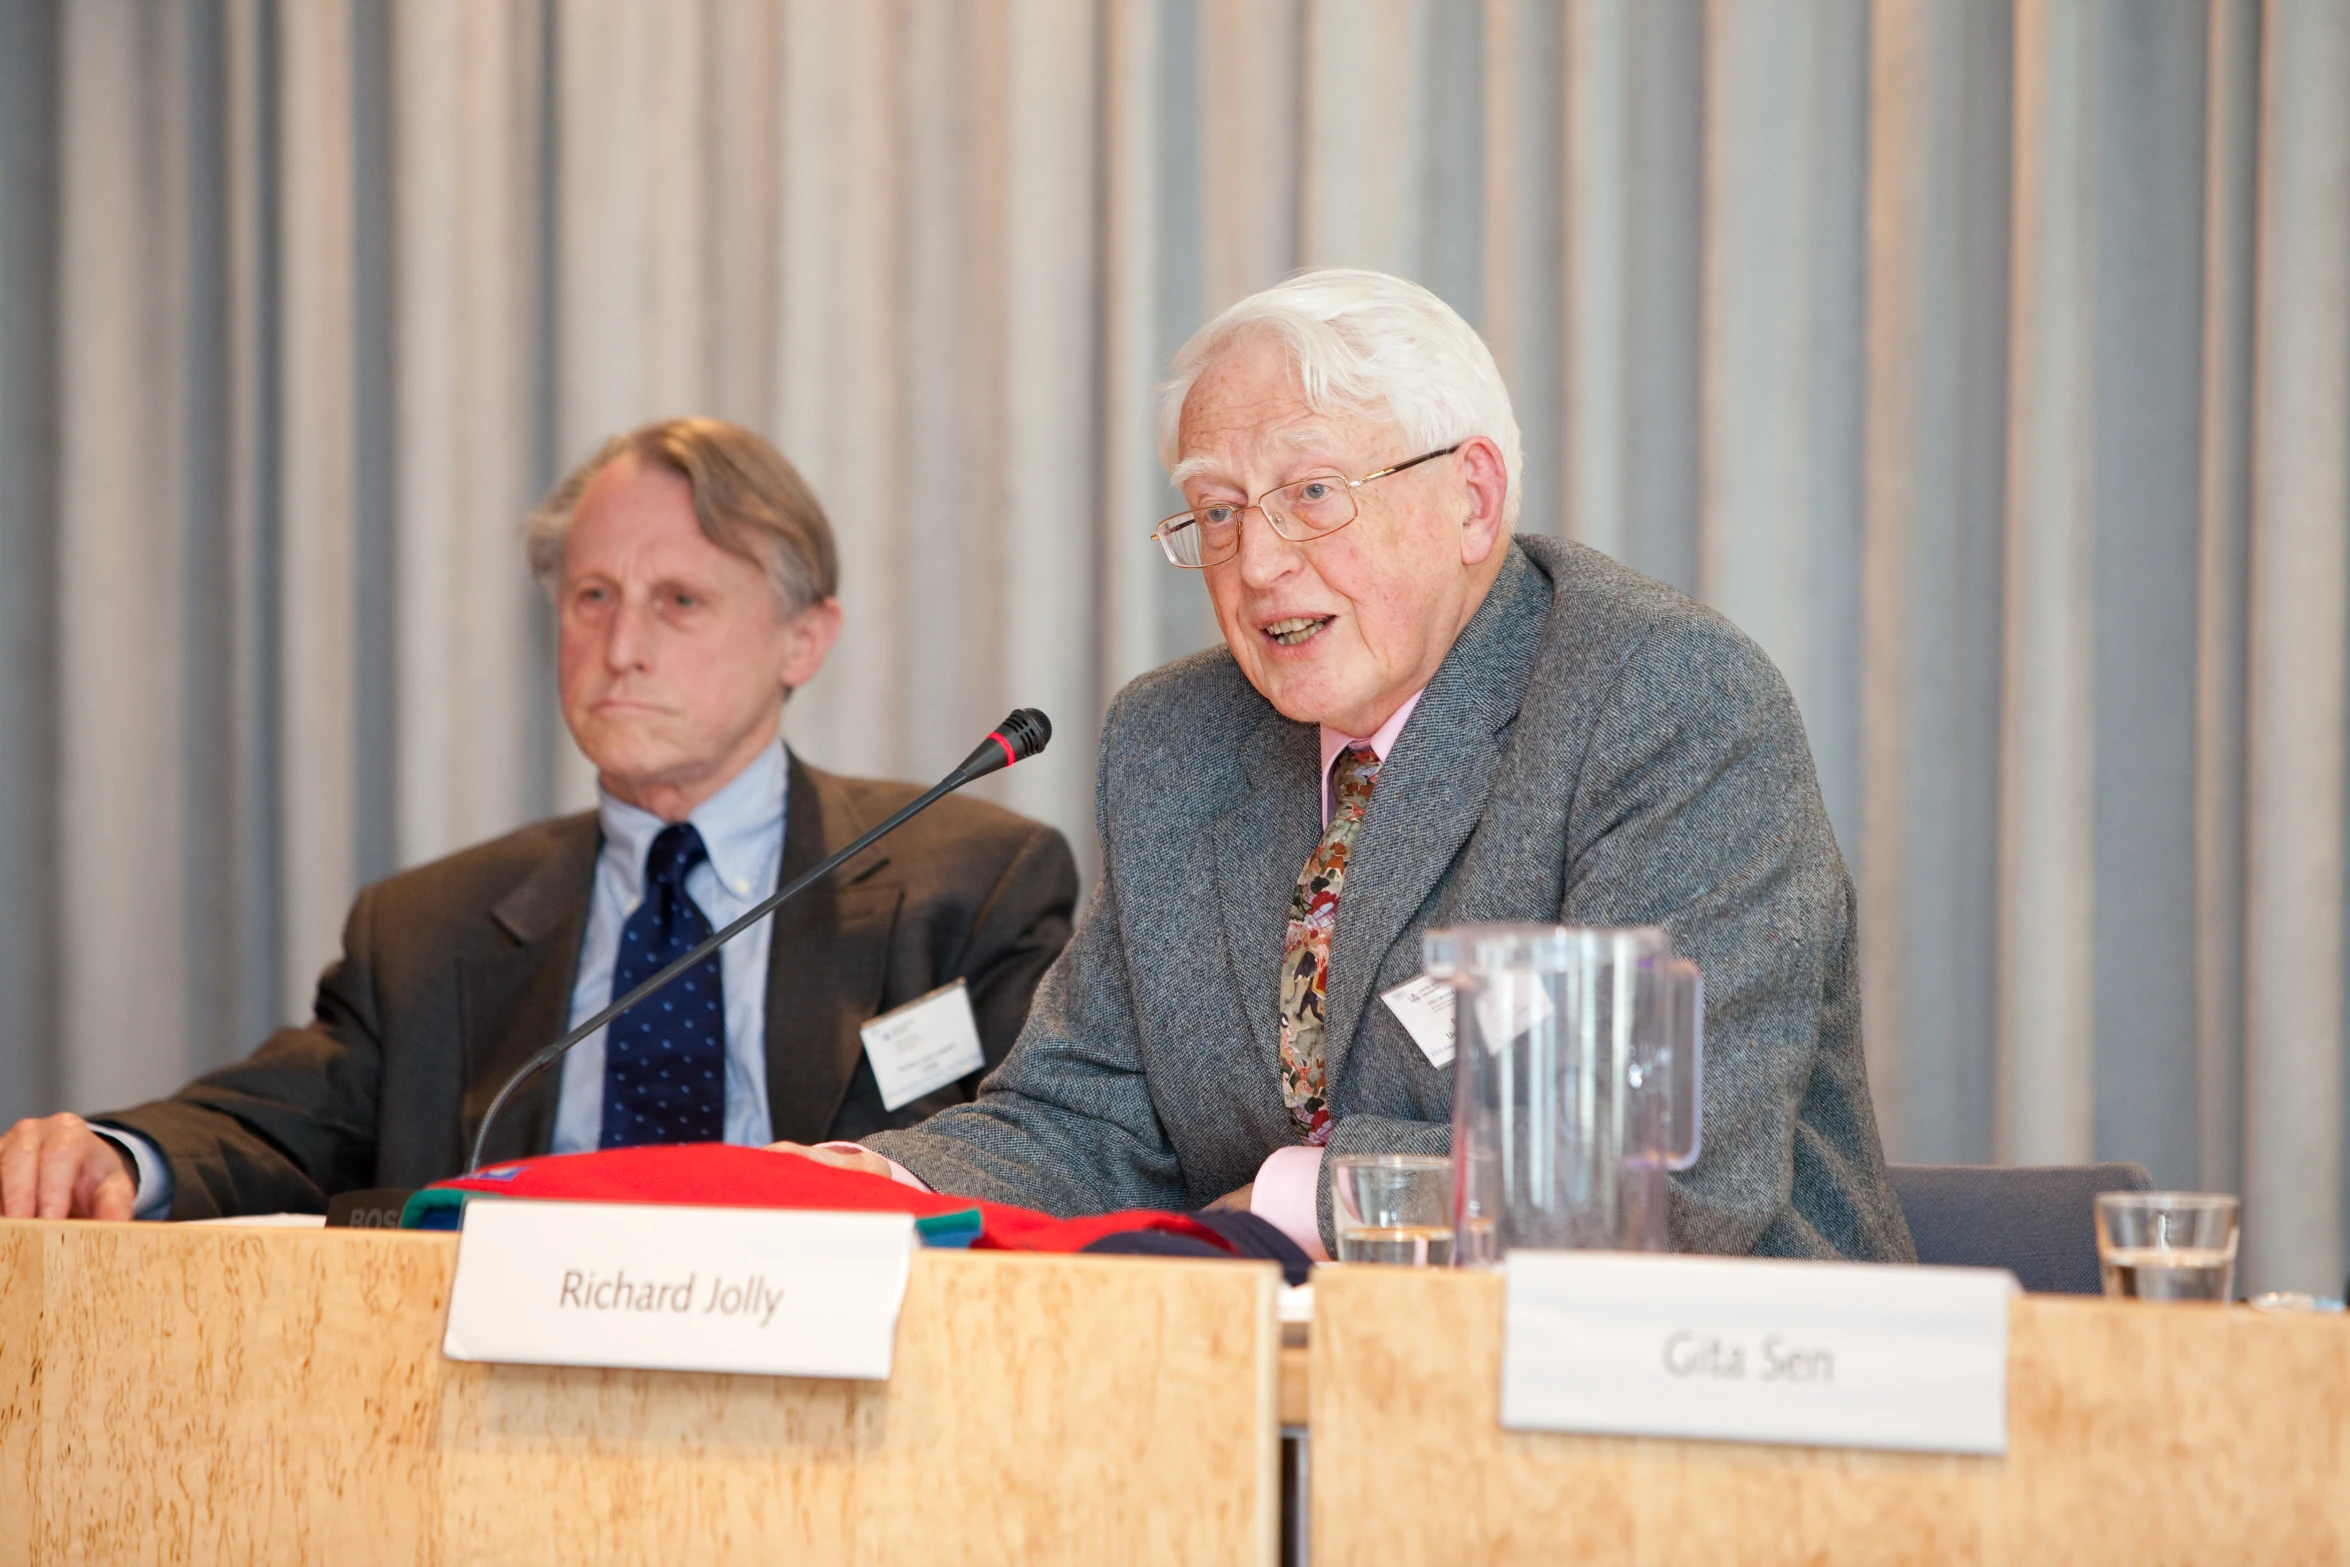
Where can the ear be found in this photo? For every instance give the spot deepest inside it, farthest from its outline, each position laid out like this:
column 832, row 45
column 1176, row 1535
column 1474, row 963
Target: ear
column 1485, row 485
column 807, row 640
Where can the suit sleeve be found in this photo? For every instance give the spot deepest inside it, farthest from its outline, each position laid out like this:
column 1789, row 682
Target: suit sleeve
column 1697, row 808
column 1700, row 811
column 293, row 1122
column 1022, row 925
column 1066, row 1124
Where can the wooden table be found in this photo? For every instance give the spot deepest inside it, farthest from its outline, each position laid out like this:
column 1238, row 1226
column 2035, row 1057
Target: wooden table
column 180, row 1394
column 177, row 1394
column 2137, row 1434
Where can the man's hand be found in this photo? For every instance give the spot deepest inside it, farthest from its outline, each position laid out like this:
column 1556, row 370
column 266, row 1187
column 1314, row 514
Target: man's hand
column 57, row 1168
column 1235, row 1202
column 859, row 1159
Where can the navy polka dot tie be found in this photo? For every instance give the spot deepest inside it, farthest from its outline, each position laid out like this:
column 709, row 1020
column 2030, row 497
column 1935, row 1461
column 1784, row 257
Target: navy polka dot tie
column 665, row 1057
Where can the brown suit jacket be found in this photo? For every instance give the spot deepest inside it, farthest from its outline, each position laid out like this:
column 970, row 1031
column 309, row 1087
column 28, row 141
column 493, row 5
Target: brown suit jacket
column 452, row 974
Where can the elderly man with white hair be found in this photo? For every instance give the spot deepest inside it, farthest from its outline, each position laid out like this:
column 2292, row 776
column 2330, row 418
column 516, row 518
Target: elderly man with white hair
column 1418, row 719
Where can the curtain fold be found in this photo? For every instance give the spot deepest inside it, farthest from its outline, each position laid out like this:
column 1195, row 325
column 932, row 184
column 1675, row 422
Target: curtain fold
column 1940, row 106
column 1988, row 363
column 2294, row 687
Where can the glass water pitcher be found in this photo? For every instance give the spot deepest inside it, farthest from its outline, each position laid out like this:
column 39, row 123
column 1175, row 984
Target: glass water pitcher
column 1578, row 1058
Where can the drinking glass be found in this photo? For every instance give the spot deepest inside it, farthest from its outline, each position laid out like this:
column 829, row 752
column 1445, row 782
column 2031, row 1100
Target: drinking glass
column 2167, row 1245
column 1393, row 1207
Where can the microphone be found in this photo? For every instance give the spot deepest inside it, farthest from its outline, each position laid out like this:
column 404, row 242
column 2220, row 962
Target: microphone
column 1016, row 739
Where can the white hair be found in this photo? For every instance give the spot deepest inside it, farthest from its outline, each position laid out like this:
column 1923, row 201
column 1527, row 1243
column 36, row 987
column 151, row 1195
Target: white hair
column 1370, row 345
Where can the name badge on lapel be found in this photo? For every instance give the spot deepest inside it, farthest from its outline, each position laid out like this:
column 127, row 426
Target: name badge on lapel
column 924, row 1045
column 1424, row 1005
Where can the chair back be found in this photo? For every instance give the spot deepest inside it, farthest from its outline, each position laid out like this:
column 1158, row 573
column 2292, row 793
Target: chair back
column 2038, row 1222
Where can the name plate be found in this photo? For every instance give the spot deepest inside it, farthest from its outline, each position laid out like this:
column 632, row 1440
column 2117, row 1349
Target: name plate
column 679, row 1289
column 1743, row 1350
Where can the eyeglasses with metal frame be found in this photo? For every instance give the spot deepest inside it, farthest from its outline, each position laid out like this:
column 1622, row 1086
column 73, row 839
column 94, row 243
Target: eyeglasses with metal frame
column 1301, row 511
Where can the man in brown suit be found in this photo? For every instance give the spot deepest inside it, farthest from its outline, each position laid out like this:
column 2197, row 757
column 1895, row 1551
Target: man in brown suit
column 693, row 575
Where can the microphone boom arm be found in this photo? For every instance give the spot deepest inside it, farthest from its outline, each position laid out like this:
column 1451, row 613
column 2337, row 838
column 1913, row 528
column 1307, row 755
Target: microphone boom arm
column 994, row 754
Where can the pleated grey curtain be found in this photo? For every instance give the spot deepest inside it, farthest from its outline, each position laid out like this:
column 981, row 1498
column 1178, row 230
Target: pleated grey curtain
column 1988, row 362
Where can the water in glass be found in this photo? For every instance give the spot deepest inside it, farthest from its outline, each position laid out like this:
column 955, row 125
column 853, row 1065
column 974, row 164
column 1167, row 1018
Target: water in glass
column 2169, row 1272
column 1412, row 1245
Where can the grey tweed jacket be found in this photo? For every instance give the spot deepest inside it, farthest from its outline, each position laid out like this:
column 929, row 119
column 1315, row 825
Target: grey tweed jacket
column 1596, row 749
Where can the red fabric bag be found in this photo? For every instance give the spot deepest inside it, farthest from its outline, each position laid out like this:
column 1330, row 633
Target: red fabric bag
column 724, row 1175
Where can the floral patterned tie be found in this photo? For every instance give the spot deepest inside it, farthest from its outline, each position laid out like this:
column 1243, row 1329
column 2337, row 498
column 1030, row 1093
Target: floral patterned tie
column 1305, row 955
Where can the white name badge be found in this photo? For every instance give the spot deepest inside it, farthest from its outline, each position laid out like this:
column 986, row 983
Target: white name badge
column 924, row 1045
column 1425, row 1007
column 1744, row 1350
column 679, row 1289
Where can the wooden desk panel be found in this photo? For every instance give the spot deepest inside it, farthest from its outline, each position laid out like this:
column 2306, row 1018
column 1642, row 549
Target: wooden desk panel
column 20, row 1388
column 174, row 1394
column 2137, row 1435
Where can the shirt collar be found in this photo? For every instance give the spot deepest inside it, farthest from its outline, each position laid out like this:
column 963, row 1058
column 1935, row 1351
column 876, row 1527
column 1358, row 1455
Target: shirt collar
column 1380, row 743
column 740, row 826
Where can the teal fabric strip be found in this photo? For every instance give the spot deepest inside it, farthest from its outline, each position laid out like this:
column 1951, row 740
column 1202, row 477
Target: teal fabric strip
column 952, row 1230
column 433, row 1208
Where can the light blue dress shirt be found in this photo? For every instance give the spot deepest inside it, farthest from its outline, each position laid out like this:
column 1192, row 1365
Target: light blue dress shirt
column 742, row 827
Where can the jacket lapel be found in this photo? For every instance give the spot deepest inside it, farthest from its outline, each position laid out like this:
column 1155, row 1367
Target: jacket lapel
column 516, row 1001
column 1261, row 844
column 1431, row 792
column 827, row 958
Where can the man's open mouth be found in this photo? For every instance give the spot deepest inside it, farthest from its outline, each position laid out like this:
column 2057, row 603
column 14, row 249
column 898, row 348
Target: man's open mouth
column 1296, row 629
